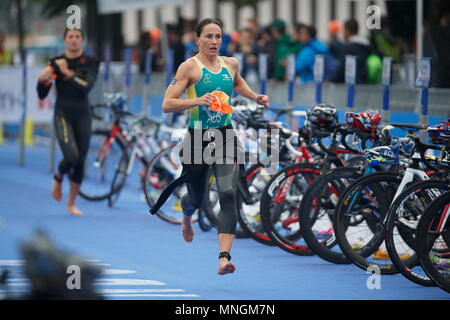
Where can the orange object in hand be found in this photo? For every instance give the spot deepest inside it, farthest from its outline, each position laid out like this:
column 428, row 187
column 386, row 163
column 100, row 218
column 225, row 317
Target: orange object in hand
column 220, row 103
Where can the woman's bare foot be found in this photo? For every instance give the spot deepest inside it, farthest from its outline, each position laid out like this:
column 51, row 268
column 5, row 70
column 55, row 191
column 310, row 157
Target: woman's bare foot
column 225, row 266
column 187, row 228
column 74, row 210
column 57, row 190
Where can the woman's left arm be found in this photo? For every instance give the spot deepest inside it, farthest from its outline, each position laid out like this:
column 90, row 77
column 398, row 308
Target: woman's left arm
column 242, row 88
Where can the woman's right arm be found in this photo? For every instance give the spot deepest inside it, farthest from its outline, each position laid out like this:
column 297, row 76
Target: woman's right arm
column 172, row 101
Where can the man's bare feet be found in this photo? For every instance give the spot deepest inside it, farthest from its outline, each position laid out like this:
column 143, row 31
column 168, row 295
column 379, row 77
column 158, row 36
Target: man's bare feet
column 187, row 228
column 225, row 266
column 74, row 211
column 57, row 190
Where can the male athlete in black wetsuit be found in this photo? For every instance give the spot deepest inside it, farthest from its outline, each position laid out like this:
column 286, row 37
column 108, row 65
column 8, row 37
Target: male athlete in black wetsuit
column 74, row 73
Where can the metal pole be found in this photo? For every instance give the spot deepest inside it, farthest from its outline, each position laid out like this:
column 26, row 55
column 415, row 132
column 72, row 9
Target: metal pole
column 419, row 29
column 21, row 31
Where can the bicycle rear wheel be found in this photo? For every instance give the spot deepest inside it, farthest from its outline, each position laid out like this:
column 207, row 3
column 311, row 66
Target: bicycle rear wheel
column 359, row 226
column 433, row 241
column 318, row 212
column 249, row 216
column 160, row 171
column 279, row 208
column 102, row 159
column 118, row 182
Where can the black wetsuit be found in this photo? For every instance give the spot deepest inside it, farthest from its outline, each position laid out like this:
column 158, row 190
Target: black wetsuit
column 72, row 117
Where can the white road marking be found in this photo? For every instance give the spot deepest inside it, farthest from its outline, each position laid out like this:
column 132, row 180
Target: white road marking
column 117, row 271
column 128, row 282
column 122, row 291
column 151, row 295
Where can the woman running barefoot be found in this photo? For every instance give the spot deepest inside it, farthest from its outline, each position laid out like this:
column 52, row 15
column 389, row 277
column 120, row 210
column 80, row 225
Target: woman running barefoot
column 209, row 133
column 74, row 73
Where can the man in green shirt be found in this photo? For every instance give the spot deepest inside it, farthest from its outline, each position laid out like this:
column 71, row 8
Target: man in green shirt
column 283, row 47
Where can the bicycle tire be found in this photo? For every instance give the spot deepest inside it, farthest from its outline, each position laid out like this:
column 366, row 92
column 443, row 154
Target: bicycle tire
column 250, row 225
column 310, row 209
column 118, row 181
column 164, row 177
column 361, row 254
column 275, row 221
column 95, row 181
column 405, row 266
column 425, row 239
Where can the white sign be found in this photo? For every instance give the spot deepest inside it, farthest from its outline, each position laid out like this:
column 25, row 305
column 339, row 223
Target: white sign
column 263, row 66
column 115, row 6
column 11, row 96
column 424, row 75
column 291, row 67
column 319, row 68
column 350, row 69
column 387, row 71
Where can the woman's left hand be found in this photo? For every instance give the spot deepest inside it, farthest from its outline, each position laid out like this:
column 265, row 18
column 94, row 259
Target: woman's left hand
column 262, row 100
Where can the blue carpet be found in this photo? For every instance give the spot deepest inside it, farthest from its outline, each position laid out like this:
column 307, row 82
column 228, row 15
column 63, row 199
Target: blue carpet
column 128, row 238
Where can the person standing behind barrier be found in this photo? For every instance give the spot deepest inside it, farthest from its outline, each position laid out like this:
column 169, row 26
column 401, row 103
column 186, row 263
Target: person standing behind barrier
column 283, row 48
column 75, row 74
column 304, row 64
column 201, row 75
column 335, row 45
column 5, row 55
column 356, row 46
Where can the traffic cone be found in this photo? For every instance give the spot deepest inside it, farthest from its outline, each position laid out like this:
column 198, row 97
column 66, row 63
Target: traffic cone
column 2, row 139
column 29, row 131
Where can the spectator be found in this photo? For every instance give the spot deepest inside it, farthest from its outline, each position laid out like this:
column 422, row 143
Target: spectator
column 304, row 64
column 266, row 45
column 158, row 59
column 441, row 35
column 145, row 43
column 385, row 43
column 5, row 55
column 335, row 45
column 357, row 46
column 175, row 43
column 252, row 25
column 282, row 48
column 246, row 46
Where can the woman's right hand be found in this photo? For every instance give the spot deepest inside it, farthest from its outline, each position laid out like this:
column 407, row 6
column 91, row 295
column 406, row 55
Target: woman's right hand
column 206, row 99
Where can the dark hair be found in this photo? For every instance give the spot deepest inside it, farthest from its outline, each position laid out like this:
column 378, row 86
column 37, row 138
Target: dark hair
column 204, row 22
column 351, row 26
column 70, row 29
column 310, row 30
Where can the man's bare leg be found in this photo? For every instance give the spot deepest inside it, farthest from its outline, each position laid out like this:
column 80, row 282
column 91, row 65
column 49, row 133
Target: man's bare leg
column 225, row 244
column 57, row 187
column 74, row 188
column 187, row 228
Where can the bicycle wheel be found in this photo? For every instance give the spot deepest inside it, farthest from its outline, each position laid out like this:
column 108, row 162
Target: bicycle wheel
column 118, row 181
column 257, row 177
column 160, row 171
column 279, row 208
column 102, row 159
column 401, row 223
column 359, row 227
column 433, row 241
column 317, row 212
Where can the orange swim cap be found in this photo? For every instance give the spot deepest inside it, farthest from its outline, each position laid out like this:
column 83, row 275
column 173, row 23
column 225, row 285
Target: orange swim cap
column 220, row 103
